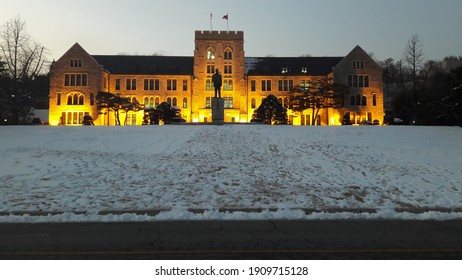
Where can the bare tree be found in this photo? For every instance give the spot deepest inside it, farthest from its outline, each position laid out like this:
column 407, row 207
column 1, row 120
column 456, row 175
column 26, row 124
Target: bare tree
column 23, row 60
column 414, row 57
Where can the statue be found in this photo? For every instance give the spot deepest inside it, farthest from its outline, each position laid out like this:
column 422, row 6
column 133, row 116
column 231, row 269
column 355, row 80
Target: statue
column 216, row 80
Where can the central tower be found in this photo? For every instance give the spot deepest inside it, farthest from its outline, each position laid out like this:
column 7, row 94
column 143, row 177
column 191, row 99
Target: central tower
column 222, row 50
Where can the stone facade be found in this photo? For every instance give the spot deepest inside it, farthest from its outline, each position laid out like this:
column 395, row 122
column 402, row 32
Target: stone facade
column 185, row 82
column 363, row 76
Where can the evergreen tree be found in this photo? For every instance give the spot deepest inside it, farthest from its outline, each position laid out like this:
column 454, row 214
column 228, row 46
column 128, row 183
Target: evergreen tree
column 111, row 101
column 271, row 111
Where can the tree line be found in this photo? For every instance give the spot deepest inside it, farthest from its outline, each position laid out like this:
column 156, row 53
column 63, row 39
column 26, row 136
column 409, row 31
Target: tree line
column 423, row 92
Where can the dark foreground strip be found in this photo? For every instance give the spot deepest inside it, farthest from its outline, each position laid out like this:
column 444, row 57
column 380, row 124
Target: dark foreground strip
column 155, row 212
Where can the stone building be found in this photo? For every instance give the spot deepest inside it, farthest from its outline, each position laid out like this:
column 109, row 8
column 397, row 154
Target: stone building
column 185, row 82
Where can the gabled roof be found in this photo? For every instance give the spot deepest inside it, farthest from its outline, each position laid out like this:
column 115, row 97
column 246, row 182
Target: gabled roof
column 161, row 65
column 295, row 66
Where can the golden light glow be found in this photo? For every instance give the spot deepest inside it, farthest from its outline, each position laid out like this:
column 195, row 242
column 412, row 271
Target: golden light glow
column 54, row 123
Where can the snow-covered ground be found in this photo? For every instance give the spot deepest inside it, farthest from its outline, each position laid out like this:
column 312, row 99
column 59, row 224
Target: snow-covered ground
column 229, row 172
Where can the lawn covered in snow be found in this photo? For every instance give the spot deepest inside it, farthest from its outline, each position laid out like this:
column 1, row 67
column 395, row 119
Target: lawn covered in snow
column 229, row 172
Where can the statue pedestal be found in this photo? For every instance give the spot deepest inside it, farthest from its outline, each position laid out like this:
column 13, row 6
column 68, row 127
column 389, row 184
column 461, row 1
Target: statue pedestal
column 218, row 110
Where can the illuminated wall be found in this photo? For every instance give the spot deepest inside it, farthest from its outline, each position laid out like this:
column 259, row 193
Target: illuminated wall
column 77, row 77
column 223, row 51
column 364, row 101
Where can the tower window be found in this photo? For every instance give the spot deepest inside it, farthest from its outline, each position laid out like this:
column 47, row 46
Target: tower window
column 210, row 54
column 228, row 55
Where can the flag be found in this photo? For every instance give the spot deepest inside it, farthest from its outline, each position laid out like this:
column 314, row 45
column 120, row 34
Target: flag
column 225, row 17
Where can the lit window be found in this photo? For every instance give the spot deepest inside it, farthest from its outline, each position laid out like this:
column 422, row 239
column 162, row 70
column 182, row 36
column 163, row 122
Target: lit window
column 210, row 54
column 228, row 84
column 285, row 70
column 304, row 70
column 185, row 102
column 208, row 84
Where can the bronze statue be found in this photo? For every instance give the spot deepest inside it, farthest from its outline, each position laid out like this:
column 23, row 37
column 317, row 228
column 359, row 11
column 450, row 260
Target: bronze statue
column 216, row 80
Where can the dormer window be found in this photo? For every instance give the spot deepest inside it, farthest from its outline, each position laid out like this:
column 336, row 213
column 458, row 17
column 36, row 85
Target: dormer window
column 304, row 70
column 285, row 70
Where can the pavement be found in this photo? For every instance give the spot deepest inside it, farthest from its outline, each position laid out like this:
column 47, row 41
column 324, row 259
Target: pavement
column 278, row 239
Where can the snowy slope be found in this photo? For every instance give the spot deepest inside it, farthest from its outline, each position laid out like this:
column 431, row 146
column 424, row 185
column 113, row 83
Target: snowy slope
column 229, row 172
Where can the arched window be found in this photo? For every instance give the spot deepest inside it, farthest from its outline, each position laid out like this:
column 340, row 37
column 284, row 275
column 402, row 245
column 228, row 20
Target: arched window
column 174, row 101
column 358, row 100
column 253, row 103
column 157, row 102
column 280, row 100
column 75, row 99
column 228, row 55
column 352, row 100
column 228, row 84
column 169, row 101
column 146, row 102
column 208, row 85
column 286, row 102
column 151, row 102
column 364, row 100
column 211, row 54
column 185, row 102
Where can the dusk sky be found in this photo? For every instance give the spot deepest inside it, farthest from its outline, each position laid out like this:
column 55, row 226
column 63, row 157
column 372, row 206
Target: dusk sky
column 279, row 28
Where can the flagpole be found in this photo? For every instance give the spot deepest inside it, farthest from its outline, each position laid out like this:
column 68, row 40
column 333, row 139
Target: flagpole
column 210, row 22
column 227, row 23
